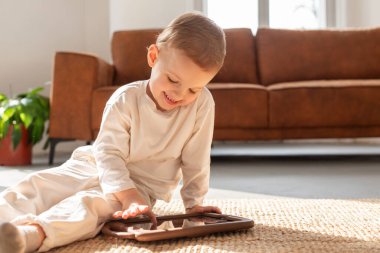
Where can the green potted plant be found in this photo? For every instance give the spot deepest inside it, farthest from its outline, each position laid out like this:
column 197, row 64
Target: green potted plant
column 22, row 124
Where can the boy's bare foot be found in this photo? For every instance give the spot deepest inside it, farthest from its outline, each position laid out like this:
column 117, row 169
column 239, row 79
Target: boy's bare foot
column 20, row 239
column 11, row 240
column 33, row 234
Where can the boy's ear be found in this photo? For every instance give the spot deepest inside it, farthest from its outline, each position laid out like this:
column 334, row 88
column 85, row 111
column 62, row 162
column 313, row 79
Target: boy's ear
column 152, row 54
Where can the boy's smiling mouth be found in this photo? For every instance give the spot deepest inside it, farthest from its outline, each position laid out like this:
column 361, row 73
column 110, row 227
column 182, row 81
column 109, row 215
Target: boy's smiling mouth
column 169, row 100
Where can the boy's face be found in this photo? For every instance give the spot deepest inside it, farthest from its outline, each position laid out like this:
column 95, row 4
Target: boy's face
column 175, row 79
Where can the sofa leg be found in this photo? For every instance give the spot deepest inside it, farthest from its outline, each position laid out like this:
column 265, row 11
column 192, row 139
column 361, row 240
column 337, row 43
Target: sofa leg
column 53, row 142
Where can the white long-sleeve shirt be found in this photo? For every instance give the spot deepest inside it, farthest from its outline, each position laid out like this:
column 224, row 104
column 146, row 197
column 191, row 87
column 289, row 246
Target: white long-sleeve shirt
column 139, row 145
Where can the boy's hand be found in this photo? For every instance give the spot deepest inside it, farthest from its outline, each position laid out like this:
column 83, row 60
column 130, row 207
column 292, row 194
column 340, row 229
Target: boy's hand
column 134, row 210
column 203, row 209
column 133, row 205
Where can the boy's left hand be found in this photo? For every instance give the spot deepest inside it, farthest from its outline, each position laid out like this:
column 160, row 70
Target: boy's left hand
column 203, row 209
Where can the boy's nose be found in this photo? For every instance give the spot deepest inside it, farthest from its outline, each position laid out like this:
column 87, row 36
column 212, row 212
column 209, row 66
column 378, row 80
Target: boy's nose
column 180, row 93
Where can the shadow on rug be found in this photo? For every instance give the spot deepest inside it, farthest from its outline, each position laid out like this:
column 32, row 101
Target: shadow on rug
column 281, row 225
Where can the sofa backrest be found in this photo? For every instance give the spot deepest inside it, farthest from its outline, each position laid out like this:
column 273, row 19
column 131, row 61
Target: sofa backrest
column 295, row 55
column 240, row 62
column 129, row 50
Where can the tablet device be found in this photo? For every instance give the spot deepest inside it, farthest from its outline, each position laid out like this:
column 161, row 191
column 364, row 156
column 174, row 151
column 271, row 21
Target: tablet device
column 175, row 226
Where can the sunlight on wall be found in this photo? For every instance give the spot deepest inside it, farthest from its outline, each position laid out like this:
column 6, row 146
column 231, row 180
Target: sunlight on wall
column 237, row 13
column 308, row 14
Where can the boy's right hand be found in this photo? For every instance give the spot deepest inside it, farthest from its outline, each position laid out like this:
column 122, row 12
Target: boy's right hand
column 133, row 205
column 134, row 210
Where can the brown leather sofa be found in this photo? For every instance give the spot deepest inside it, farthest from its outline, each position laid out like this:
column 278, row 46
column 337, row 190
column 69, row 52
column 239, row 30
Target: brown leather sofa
column 275, row 85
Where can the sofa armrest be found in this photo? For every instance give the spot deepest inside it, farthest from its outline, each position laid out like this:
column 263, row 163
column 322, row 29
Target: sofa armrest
column 75, row 76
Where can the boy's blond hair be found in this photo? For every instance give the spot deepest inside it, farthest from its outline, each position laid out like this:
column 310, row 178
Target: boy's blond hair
column 199, row 37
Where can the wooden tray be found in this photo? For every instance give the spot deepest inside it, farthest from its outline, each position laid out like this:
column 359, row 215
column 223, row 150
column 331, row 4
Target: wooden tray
column 175, row 226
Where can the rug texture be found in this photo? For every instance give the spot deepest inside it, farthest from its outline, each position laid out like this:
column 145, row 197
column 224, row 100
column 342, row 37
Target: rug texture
column 281, row 225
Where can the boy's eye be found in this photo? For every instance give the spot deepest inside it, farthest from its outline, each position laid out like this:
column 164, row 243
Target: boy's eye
column 171, row 80
column 193, row 91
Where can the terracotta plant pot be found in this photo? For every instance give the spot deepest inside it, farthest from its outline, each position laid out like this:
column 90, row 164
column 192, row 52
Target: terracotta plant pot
column 22, row 155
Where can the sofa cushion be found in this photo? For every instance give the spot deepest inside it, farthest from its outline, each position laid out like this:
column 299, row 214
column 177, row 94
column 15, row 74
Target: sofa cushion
column 239, row 105
column 129, row 49
column 299, row 55
column 100, row 97
column 344, row 103
column 240, row 61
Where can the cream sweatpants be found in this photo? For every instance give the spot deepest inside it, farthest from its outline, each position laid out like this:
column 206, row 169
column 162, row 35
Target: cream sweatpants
column 66, row 201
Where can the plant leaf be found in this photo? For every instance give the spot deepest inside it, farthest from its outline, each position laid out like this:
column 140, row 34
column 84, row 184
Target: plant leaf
column 4, row 127
column 26, row 119
column 36, row 90
column 29, row 109
column 26, row 101
column 8, row 113
column 22, row 95
column 37, row 131
column 2, row 97
column 16, row 135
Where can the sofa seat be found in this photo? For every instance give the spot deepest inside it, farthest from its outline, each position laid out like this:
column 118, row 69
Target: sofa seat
column 324, row 103
column 237, row 102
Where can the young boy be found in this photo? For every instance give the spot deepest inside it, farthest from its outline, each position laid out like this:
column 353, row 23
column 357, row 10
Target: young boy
column 153, row 133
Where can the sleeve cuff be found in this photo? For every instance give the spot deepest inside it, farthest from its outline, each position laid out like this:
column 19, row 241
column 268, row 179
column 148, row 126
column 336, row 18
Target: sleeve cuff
column 191, row 203
column 106, row 188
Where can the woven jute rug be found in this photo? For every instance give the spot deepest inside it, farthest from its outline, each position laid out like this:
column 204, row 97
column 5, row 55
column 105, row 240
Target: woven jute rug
column 281, row 225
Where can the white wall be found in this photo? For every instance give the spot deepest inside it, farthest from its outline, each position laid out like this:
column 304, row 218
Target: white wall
column 363, row 15
column 32, row 31
column 96, row 28
column 29, row 38
column 132, row 14
column 358, row 13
